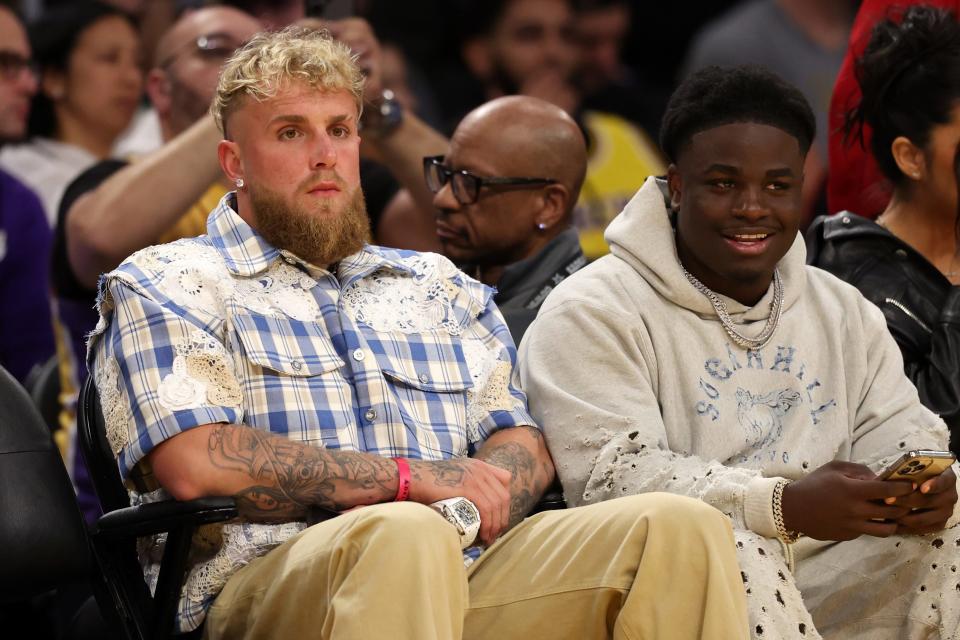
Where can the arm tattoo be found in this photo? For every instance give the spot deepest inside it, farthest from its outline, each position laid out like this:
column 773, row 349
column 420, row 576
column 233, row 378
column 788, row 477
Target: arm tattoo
column 288, row 477
column 527, row 485
column 448, row 473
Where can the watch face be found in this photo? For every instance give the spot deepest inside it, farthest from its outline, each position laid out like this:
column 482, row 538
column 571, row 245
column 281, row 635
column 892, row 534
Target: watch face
column 466, row 513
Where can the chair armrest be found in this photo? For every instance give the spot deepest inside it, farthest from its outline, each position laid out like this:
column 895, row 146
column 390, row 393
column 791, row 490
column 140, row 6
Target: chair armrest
column 161, row 517
column 550, row 501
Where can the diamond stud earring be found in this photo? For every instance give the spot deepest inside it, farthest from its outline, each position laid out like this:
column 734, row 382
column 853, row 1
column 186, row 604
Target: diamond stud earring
column 239, row 183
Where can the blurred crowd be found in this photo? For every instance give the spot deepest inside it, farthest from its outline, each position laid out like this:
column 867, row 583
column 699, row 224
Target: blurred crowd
column 505, row 135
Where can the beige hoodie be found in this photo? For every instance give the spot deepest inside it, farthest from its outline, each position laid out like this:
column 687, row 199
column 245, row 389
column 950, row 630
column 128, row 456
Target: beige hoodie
column 639, row 389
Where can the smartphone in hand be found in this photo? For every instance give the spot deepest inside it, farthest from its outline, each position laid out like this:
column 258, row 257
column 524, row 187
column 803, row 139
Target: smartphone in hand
column 918, row 466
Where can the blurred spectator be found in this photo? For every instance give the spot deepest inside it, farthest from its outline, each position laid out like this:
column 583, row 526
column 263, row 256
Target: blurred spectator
column 528, row 47
column 504, row 197
column 803, row 41
column 907, row 261
column 273, row 14
column 26, row 335
column 408, row 84
column 607, row 84
column 854, row 182
column 154, row 19
column 89, row 56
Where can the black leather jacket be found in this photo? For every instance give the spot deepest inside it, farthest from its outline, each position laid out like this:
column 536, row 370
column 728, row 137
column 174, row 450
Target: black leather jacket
column 921, row 306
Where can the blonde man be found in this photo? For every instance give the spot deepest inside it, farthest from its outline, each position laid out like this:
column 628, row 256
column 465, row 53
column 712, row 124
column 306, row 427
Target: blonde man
column 282, row 360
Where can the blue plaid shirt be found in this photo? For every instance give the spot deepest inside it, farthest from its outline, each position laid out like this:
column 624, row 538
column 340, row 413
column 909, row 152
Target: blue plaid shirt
column 396, row 353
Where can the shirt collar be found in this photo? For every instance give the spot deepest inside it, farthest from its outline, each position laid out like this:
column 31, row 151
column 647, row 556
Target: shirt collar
column 556, row 254
column 244, row 251
column 372, row 258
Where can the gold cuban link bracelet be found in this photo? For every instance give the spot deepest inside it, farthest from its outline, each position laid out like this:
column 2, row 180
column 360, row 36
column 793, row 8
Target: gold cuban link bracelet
column 788, row 537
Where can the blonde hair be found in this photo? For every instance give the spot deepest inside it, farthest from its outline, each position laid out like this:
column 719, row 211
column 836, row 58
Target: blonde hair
column 272, row 60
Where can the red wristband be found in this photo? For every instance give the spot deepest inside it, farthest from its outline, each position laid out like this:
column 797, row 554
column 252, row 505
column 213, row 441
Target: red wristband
column 403, row 479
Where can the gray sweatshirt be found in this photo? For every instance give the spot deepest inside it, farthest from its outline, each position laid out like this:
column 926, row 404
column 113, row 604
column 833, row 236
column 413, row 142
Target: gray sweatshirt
column 638, row 387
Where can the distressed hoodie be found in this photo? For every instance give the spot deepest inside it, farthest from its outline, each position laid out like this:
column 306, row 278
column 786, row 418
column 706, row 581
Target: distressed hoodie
column 639, row 388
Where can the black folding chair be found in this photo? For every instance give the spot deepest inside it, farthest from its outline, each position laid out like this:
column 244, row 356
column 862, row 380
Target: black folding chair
column 123, row 594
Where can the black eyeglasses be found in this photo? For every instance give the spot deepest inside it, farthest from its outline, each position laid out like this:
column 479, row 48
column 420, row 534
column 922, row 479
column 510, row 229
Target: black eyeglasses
column 211, row 46
column 12, row 65
column 466, row 186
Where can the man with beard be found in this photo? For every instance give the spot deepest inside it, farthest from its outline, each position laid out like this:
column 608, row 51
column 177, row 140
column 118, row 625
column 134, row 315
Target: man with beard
column 281, row 360
column 115, row 209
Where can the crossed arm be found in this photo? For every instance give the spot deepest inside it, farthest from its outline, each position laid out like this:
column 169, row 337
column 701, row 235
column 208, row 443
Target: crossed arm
column 275, row 479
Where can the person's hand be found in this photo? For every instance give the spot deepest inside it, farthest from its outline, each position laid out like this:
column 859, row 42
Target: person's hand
column 485, row 485
column 357, row 34
column 931, row 504
column 842, row 501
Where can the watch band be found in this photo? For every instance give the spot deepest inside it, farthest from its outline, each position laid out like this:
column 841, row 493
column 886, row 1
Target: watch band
column 463, row 515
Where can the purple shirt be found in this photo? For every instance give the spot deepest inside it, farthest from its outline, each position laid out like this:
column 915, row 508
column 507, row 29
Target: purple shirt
column 26, row 332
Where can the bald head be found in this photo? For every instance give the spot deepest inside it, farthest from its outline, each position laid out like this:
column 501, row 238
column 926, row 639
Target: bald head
column 187, row 63
column 227, row 21
column 527, row 136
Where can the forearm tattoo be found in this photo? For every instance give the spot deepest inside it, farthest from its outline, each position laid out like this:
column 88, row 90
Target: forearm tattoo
column 289, row 477
column 529, row 479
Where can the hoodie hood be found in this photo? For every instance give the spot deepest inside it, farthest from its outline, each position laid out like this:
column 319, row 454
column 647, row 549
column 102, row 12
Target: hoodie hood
column 642, row 236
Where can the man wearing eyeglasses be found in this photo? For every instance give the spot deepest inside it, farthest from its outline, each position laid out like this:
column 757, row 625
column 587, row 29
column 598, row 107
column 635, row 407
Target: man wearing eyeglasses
column 504, row 196
column 26, row 337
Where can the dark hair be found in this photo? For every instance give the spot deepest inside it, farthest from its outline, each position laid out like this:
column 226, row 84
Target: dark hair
column 715, row 96
column 587, row 6
column 53, row 38
column 479, row 18
column 909, row 77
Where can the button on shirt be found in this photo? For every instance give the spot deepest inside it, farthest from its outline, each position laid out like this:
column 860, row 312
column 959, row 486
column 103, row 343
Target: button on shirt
column 395, row 353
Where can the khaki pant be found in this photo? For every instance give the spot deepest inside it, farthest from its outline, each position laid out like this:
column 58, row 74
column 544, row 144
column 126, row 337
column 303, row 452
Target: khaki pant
column 651, row 566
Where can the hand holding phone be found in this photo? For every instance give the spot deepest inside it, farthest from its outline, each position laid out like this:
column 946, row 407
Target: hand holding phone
column 918, row 466
column 933, row 499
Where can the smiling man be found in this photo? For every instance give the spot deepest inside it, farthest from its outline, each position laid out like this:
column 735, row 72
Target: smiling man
column 281, row 360
column 702, row 357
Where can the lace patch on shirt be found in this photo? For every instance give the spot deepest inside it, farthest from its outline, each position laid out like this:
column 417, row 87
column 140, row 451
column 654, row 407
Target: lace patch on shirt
column 281, row 290
column 385, row 301
column 491, row 385
column 217, row 551
column 195, row 277
column 241, row 544
column 202, row 374
column 112, row 404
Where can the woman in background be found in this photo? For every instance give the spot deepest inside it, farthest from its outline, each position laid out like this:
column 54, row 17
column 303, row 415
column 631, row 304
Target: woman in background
column 907, row 261
column 89, row 59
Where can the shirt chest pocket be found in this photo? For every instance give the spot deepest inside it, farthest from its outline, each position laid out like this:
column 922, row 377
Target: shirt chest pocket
column 429, row 382
column 291, row 376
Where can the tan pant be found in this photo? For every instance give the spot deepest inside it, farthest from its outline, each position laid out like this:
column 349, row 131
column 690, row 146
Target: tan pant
column 650, row 566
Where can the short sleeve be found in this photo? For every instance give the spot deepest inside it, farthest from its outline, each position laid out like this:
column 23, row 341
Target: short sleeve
column 158, row 372
column 496, row 400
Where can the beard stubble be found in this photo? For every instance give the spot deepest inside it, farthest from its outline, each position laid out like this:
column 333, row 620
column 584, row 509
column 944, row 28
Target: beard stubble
column 321, row 237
